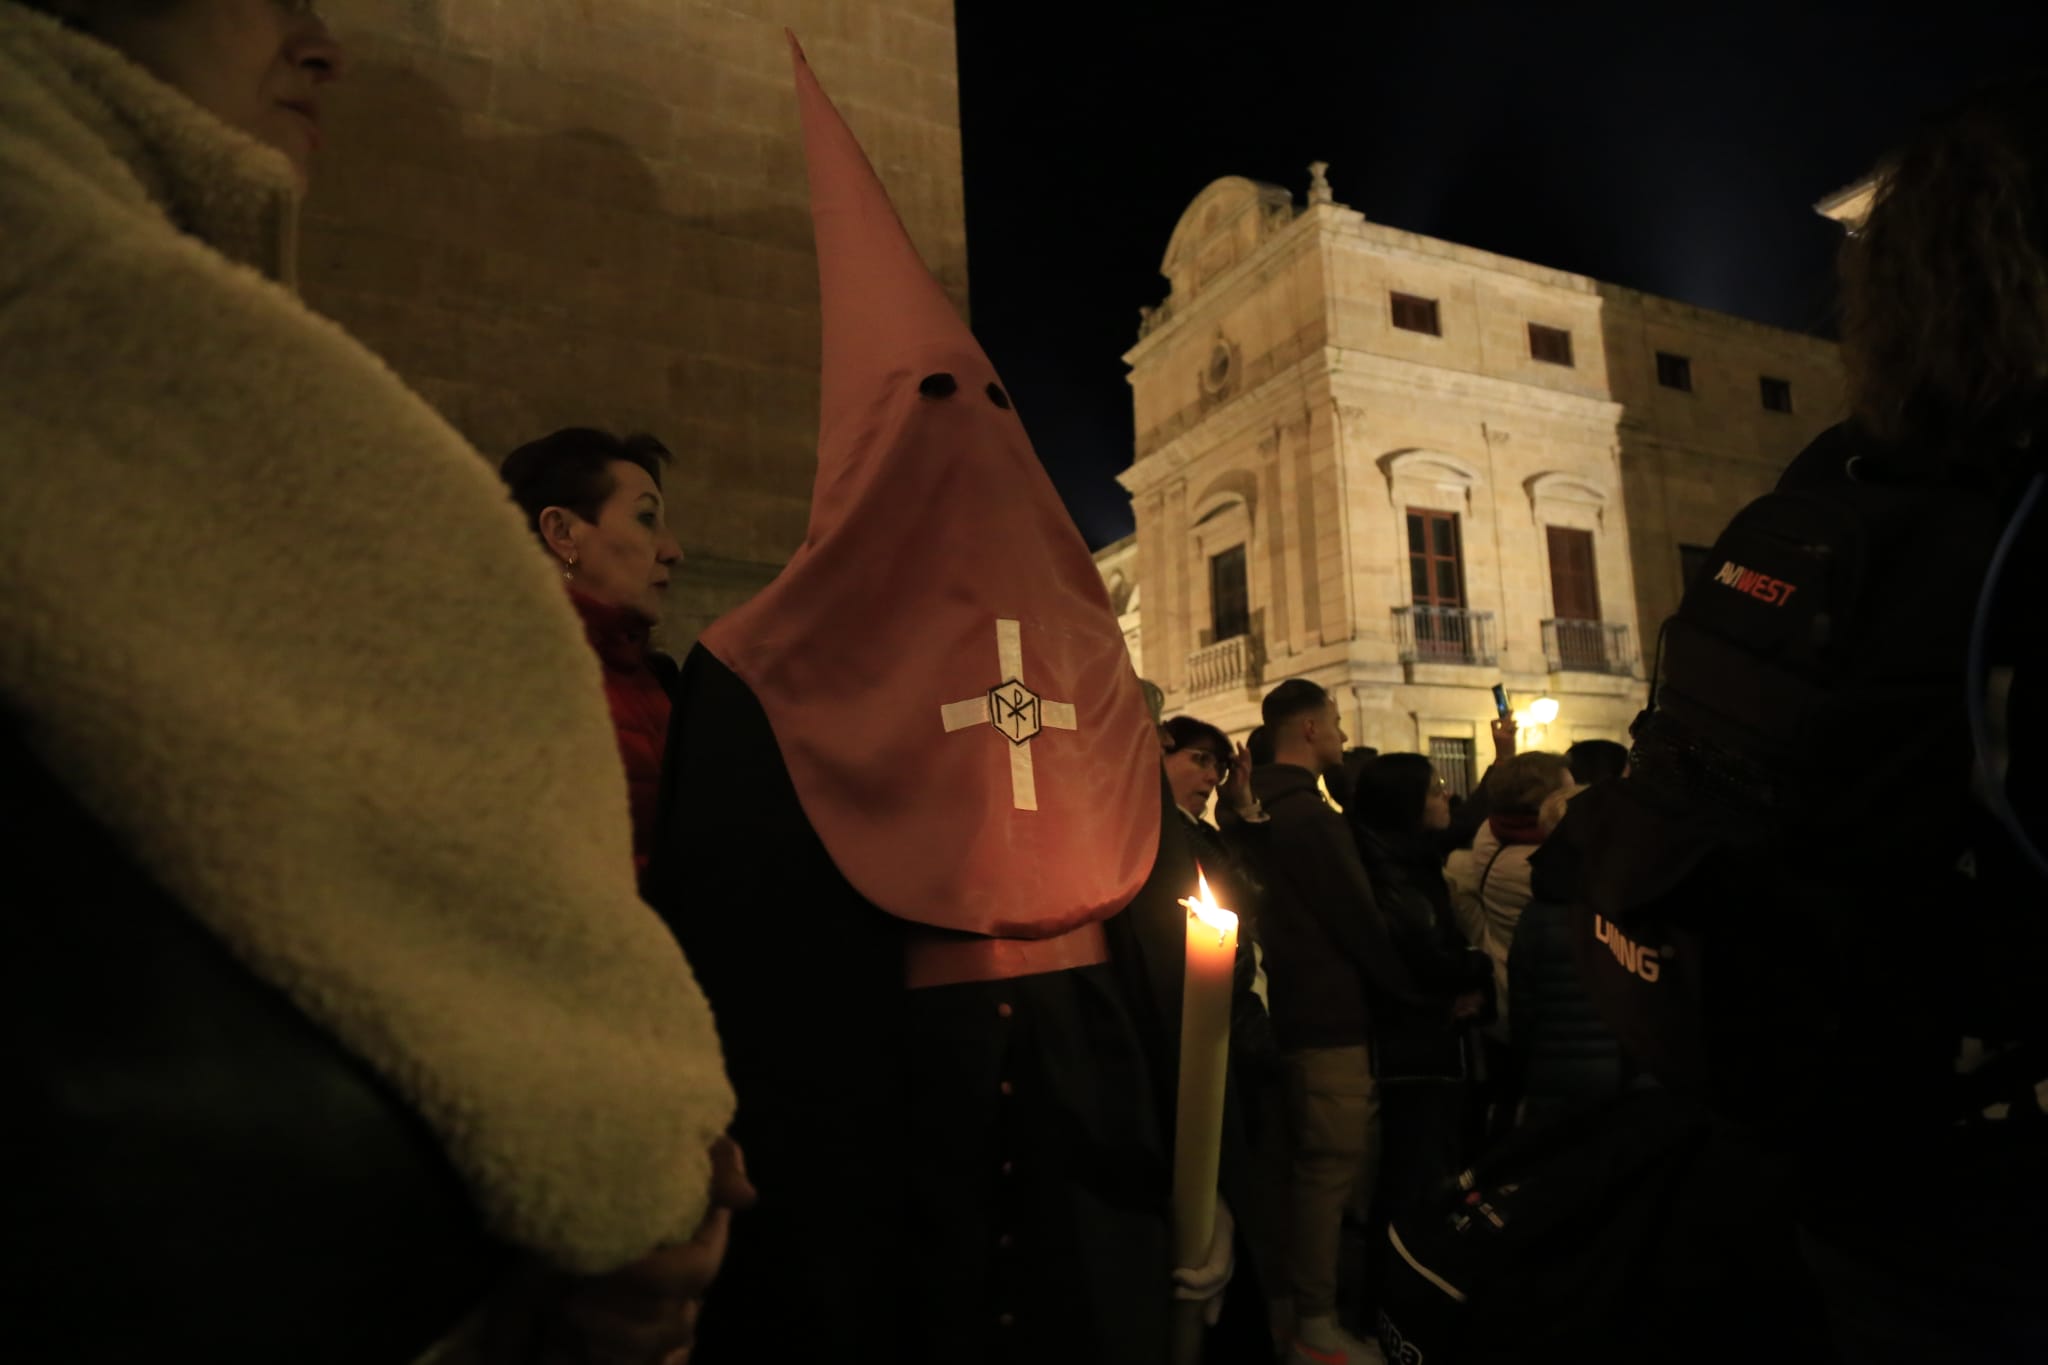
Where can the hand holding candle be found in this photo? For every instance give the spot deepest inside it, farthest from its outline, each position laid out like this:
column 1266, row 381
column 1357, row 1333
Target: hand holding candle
column 1204, row 1064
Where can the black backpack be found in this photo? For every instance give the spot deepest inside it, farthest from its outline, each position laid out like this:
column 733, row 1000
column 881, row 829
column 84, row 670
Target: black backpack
column 1636, row 1230
column 1779, row 909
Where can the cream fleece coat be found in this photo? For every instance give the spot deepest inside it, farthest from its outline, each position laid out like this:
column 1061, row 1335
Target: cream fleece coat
column 278, row 626
column 1488, row 921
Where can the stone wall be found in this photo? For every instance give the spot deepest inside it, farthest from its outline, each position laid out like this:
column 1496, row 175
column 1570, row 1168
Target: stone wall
column 1692, row 459
column 557, row 212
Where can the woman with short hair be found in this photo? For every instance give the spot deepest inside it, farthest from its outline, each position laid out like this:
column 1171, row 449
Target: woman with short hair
column 594, row 501
column 1492, row 888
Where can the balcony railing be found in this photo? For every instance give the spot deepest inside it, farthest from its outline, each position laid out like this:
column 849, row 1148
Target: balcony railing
column 1444, row 635
column 1588, row 647
column 1227, row 664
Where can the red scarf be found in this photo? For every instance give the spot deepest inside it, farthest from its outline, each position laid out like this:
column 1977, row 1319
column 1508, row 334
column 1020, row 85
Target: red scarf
column 639, row 708
column 1516, row 829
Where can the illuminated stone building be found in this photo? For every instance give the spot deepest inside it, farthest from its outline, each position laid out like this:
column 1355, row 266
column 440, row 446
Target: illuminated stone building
column 1408, row 470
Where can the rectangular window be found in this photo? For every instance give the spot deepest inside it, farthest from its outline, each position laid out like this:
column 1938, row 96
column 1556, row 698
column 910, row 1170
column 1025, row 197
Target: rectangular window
column 1574, row 588
column 1436, row 582
column 1777, row 393
column 1674, row 371
column 1552, row 345
column 1415, row 314
column 1452, row 759
column 1575, row 597
column 1230, row 599
column 1436, row 569
column 1692, row 564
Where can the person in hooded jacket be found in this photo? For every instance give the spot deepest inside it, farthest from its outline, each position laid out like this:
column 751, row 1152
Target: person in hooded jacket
column 1885, row 1022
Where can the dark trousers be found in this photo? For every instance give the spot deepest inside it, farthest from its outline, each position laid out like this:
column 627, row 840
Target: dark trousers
column 1420, row 1124
column 1493, row 1106
column 1422, row 1149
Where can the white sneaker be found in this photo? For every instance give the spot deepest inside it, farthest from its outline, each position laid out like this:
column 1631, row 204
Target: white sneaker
column 1320, row 1341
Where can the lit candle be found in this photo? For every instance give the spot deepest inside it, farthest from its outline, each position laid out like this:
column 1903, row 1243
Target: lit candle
column 1204, row 1061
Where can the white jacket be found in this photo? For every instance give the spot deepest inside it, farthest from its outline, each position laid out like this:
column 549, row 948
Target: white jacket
column 280, row 629
column 1488, row 920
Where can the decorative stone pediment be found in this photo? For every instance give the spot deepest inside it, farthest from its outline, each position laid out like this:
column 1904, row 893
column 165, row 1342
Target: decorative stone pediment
column 1235, row 486
column 1431, row 467
column 1556, row 487
column 1562, row 499
column 1227, row 222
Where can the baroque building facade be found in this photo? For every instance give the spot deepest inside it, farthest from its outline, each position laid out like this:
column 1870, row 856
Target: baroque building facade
column 1409, row 470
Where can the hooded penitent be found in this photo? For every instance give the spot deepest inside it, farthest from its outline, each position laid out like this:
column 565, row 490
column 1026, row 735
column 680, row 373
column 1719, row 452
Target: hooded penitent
column 939, row 662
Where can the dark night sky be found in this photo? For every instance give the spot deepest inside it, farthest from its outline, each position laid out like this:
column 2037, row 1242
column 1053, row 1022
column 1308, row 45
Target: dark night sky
column 1678, row 152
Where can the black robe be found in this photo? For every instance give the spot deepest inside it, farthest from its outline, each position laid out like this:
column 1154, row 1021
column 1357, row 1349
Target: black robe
column 911, row 1210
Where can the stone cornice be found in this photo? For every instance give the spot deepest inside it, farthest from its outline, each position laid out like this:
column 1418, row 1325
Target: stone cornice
column 1394, row 241
column 1354, row 373
column 1691, row 314
column 1279, row 395
column 1227, row 290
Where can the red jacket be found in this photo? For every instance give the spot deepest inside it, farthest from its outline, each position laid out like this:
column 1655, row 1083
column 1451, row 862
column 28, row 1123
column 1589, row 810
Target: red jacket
column 639, row 708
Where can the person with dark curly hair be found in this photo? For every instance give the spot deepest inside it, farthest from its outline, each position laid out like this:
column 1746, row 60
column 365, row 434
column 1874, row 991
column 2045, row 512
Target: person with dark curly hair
column 1818, row 897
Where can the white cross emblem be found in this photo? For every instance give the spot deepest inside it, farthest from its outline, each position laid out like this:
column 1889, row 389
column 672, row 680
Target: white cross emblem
column 1016, row 712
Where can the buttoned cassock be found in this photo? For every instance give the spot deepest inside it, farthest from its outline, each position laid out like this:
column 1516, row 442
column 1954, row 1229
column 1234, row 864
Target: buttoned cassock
column 945, row 962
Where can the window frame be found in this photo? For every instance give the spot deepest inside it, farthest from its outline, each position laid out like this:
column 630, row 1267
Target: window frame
column 1769, row 384
column 1467, row 756
column 1561, row 336
column 1670, row 364
column 1242, row 595
column 1397, row 300
column 1431, row 558
column 1586, row 576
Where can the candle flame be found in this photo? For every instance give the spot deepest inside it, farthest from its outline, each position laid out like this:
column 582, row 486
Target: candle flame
column 1204, row 907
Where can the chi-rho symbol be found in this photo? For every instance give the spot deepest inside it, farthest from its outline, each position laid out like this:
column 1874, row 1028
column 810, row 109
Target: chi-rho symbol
column 1016, row 712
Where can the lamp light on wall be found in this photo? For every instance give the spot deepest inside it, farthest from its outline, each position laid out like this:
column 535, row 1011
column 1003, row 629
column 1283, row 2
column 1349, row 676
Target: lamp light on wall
column 1541, row 711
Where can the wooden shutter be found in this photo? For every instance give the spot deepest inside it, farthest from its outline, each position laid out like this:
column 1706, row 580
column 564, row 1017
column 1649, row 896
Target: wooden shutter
column 1574, row 586
column 1230, row 605
column 1436, row 567
column 1552, row 344
column 1412, row 313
